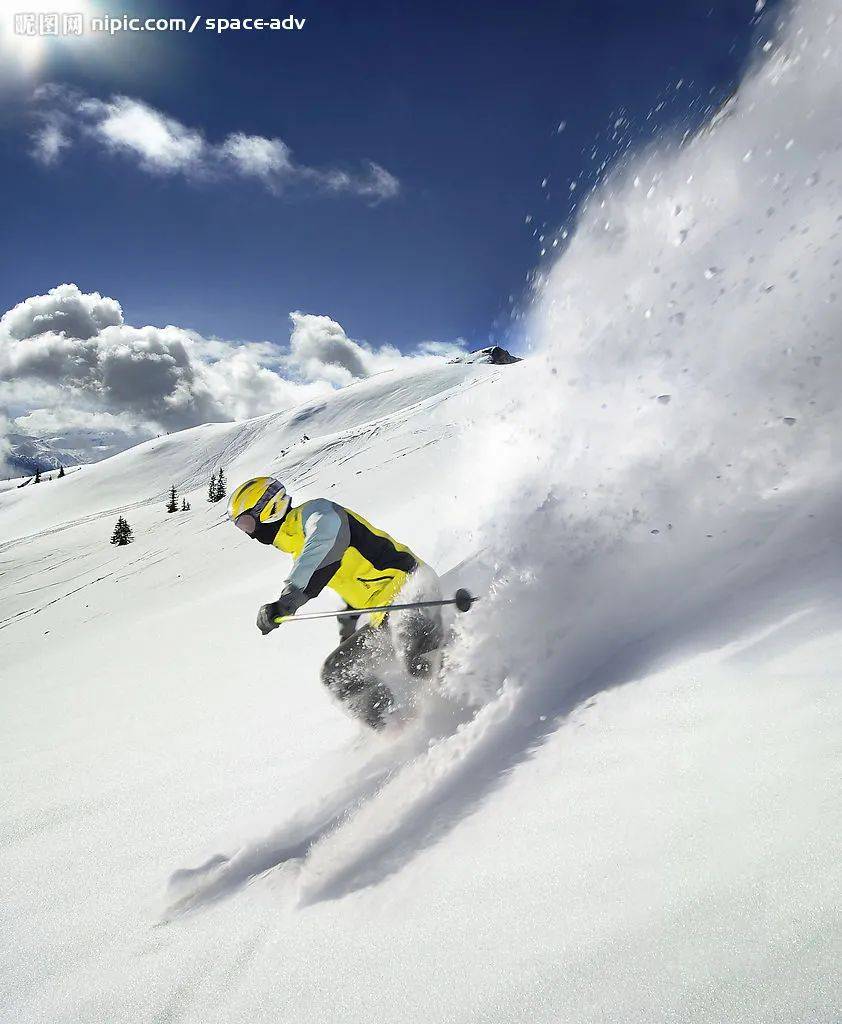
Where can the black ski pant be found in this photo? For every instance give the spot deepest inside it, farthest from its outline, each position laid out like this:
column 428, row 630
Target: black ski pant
column 351, row 671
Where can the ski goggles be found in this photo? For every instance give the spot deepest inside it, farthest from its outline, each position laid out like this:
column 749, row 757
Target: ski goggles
column 249, row 520
column 246, row 522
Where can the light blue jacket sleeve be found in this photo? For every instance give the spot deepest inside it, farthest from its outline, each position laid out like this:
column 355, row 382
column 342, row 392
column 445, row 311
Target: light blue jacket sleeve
column 327, row 536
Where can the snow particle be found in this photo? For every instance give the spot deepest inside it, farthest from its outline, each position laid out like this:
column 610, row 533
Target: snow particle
column 789, row 420
column 664, row 399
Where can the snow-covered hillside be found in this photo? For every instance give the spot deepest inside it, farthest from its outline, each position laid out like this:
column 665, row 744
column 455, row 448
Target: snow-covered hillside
column 622, row 803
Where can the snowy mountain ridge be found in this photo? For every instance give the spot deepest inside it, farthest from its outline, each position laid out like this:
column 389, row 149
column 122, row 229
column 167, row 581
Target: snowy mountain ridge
column 25, row 453
column 288, row 442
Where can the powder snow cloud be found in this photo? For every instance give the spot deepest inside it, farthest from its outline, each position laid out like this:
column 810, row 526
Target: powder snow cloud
column 126, row 127
column 68, row 357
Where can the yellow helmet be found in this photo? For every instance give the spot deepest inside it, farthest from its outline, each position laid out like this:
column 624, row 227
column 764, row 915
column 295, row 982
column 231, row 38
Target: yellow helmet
column 260, row 500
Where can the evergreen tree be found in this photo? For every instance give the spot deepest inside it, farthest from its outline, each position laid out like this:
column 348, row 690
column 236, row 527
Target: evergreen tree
column 212, row 488
column 221, row 485
column 185, row 505
column 172, row 504
column 37, row 479
column 61, row 472
column 122, row 534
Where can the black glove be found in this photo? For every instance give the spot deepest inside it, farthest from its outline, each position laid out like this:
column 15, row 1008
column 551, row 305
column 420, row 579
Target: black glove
column 288, row 603
column 347, row 625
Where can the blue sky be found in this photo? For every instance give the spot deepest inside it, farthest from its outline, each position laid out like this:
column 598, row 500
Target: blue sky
column 460, row 105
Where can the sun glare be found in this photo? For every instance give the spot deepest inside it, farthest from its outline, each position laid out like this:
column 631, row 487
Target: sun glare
column 31, row 29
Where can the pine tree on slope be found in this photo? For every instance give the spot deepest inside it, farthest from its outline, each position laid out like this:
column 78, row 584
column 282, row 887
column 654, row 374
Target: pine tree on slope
column 221, row 485
column 122, row 534
column 172, row 504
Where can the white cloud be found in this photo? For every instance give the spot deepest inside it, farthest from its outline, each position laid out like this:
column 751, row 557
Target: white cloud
column 377, row 183
column 254, row 155
column 442, row 349
column 319, row 349
column 68, row 360
column 48, row 141
column 129, row 127
column 163, row 144
column 380, row 184
column 44, row 423
column 65, row 310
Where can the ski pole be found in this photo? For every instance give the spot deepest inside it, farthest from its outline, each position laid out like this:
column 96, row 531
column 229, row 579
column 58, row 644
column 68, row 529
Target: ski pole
column 462, row 599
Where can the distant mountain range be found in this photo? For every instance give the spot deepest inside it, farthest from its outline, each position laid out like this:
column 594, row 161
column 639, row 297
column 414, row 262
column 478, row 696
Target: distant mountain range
column 75, row 448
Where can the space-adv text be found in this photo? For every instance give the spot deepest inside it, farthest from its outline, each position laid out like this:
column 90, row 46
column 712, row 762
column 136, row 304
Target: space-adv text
column 287, row 24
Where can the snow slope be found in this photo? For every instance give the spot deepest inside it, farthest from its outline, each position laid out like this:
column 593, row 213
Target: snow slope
column 623, row 804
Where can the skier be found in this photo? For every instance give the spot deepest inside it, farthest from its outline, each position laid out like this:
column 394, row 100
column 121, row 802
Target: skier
column 335, row 547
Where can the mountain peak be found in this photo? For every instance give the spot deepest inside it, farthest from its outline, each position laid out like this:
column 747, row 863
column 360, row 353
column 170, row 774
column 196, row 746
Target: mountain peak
column 492, row 354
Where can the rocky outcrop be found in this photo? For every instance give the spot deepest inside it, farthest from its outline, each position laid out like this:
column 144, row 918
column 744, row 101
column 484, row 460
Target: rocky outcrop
column 493, row 354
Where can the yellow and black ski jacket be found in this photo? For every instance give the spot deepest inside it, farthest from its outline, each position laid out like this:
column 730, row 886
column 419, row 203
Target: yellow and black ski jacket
column 335, row 547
